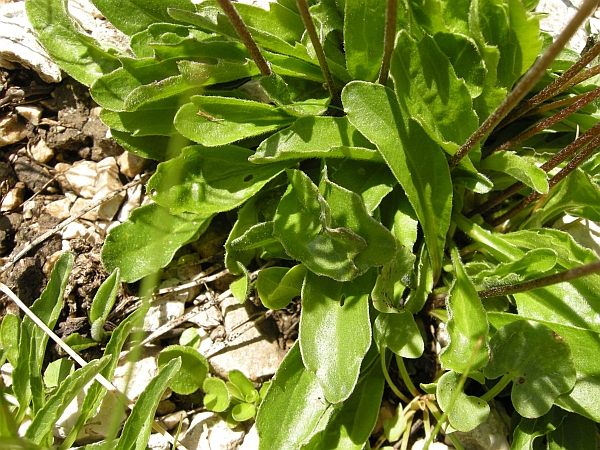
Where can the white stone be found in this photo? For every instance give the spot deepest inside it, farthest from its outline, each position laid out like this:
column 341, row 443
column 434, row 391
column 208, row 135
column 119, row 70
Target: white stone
column 130, row 164
column 59, row 208
column 81, row 204
column 74, row 230
column 158, row 442
column 13, row 198
column 31, row 113
column 18, row 44
column 41, row 152
column 418, row 445
column 165, row 309
column 12, row 130
column 559, row 15
column 51, row 261
column 133, row 201
column 107, row 181
column 143, row 370
column 489, row 435
column 250, row 440
column 209, row 318
column 172, row 420
column 250, row 352
column 209, row 431
column 82, row 178
column 6, row 374
column 585, row 232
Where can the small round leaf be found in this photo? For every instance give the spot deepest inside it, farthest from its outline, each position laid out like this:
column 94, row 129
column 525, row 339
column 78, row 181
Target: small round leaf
column 216, row 396
column 194, row 368
column 243, row 411
column 467, row 411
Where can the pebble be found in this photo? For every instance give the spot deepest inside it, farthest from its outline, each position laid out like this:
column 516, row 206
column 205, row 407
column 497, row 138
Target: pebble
column 59, row 208
column 81, row 176
column 74, row 230
column 14, row 198
column 209, row 431
column 107, row 181
column 31, row 113
column 12, row 130
column 130, row 164
column 41, row 152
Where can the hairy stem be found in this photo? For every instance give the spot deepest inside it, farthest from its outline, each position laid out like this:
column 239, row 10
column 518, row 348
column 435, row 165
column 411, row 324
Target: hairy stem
column 241, row 29
column 387, row 377
column 391, row 13
column 314, row 38
column 527, row 82
column 560, row 277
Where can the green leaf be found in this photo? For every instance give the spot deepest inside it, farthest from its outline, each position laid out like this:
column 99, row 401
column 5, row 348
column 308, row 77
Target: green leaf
column 467, row 324
column 132, row 16
column 213, row 121
column 519, row 168
column 330, row 232
column 352, row 424
column 417, row 162
column 138, row 426
column 103, row 303
column 424, row 278
column 216, row 395
column 335, row 331
column 467, row 62
column 529, row 429
column 241, row 287
column 278, row 286
column 429, row 91
column 390, row 284
column 245, row 386
column 79, row 343
column 57, row 371
column 364, row 23
column 9, row 337
column 149, row 239
column 467, row 412
column 210, row 180
column 46, row 417
column 537, row 360
column 193, row 371
column 155, row 118
column 160, row 148
column 316, row 137
column 294, row 408
column 243, row 411
column 575, row 433
column 399, row 333
column 76, row 53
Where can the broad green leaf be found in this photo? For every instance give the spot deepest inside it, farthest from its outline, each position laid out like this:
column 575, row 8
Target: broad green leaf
column 96, row 391
column 78, row 343
column 216, row 395
column 424, row 278
column 102, row 304
column 519, row 168
column 161, row 35
column 149, row 239
column 372, row 181
column 576, row 194
column 417, row 162
column 467, row 412
column 131, row 16
column 391, row 282
column 241, row 287
column 465, row 58
column 294, row 408
column 534, row 264
column 316, row 137
column 210, row 180
column 190, row 338
column 584, row 398
column 76, row 53
column 27, row 377
column 138, row 426
column 57, row 371
column 575, row 433
column 247, row 217
column 255, row 237
column 241, row 381
column 399, row 333
column 467, row 324
column 278, row 286
column 46, row 417
column 352, row 424
column 160, row 148
column 9, row 337
column 243, row 411
column 330, row 232
column 364, row 23
column 278, row 20
column 430, row 92
column 193, row 371
column 213, row 121
column 537, row 360
column 528, row 430
column 335, row 331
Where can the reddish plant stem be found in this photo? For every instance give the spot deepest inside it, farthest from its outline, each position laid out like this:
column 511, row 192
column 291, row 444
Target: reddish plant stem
column 556, row 87
column 391, row 13
column 549, row 280
column 569, row 150
column 314, row 38
column 584, row 100
column 241, row 29
column 570, row 167
column 554, row 105
column 527, row 82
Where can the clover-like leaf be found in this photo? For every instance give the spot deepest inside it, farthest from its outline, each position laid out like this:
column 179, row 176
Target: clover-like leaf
column 538, row 361
column 216, row 394
column 194, row 368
